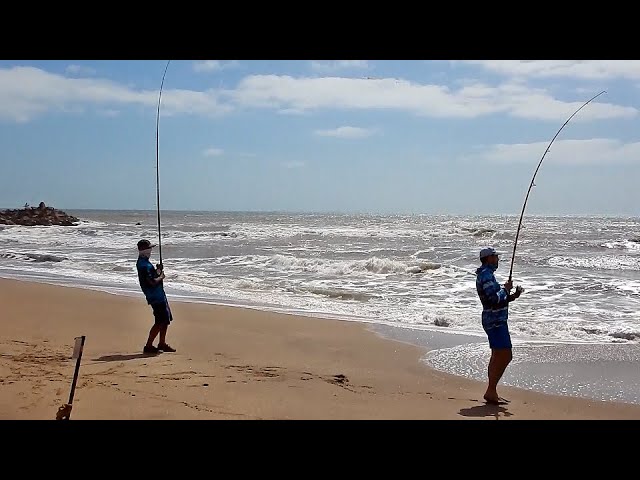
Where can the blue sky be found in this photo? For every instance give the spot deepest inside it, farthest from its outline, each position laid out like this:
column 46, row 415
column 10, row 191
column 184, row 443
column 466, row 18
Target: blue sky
column 438, row 137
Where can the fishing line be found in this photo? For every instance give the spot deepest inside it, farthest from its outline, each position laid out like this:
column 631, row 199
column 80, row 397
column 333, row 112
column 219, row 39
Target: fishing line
column 513, row 256
column 158, row 165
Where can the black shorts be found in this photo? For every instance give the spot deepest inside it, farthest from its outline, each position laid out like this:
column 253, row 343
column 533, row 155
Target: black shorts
column 162, row 313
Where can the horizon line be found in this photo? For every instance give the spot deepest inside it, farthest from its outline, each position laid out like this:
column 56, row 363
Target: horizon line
column 342, row 213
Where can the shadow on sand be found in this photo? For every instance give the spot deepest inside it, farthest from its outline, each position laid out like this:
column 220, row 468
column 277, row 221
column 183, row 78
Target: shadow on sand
column 486, row 410
column 120, row 358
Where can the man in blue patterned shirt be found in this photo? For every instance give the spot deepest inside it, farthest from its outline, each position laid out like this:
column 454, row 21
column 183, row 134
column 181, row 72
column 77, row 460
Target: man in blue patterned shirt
column 495, row 311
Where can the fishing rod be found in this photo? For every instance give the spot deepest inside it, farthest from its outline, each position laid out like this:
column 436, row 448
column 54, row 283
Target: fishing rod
column 513, row 256
column 158, row 165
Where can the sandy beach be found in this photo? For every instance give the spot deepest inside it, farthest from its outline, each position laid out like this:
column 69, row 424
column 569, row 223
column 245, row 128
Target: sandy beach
column 231, row 363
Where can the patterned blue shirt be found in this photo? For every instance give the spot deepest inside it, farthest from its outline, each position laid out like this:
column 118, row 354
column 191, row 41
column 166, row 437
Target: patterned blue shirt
column 494, row 298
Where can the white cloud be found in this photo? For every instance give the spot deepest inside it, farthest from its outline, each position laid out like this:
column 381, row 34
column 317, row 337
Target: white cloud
column 213, row 152
column 593, row 151
column 333, row 65
column 584, row 69
column 588, row 92
column 213, row 65
column 346, row 132
column 293, row 165
column 80, row 70
column 468, row 101
column 26, row 92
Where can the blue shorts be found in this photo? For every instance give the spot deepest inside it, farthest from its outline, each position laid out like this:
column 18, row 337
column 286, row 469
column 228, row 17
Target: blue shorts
column 162, row 313
column 499, row 336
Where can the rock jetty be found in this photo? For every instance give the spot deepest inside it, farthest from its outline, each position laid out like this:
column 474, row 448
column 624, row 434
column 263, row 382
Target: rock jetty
column 40, row 215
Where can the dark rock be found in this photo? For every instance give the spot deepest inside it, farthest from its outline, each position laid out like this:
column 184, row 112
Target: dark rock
column 42, row 215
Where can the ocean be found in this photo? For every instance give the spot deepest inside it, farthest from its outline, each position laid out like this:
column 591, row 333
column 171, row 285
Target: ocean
column 409, row 274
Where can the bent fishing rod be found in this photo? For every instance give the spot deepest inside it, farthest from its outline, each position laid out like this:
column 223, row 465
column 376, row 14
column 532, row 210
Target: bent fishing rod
column 158, row 164
column 513, row 256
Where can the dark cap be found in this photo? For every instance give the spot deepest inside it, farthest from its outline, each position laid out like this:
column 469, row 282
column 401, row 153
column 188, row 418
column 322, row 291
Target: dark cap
column 487, row 252
column 144, row 244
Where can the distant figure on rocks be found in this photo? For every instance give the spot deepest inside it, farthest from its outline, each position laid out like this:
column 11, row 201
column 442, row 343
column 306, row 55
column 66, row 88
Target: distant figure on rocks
column 495, row 311
column 151, row 283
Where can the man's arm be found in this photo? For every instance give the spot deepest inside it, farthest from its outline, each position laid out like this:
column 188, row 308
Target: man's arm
column 151, row 279
column 517, row 294
column 493, row 292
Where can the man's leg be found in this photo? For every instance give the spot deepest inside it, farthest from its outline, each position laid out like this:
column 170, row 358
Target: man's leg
column 153, row 333
column 163, row 334
column 163, row 343
column 491, row 367
column 500, row 343
column 163, row 330
column 500, row 358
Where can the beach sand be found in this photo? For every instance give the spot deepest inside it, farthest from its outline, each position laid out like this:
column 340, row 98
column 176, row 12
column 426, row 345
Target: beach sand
column 231, row 363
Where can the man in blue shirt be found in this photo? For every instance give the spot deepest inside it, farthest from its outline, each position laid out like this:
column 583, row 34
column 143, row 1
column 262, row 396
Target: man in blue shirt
column 151, row 283
column 495, row 311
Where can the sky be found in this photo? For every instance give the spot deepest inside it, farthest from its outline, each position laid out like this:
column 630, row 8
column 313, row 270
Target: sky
column 348, row 136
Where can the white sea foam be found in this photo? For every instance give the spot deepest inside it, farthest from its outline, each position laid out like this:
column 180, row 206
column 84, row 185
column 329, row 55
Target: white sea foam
column 582, row 275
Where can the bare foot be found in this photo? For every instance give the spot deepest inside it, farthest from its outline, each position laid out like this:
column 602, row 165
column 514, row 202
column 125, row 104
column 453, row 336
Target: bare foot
column 494, row 400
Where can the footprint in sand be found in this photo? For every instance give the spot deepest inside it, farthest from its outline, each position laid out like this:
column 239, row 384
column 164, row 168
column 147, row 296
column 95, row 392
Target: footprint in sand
column 338, row 379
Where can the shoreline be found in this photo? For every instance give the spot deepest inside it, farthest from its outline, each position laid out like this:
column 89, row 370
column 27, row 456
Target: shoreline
column 573, row 369
column 134, row 292
column 233, row 363
column 605, row 372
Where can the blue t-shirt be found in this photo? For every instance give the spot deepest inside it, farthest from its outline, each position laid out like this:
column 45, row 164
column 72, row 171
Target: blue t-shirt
column 154, row 293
